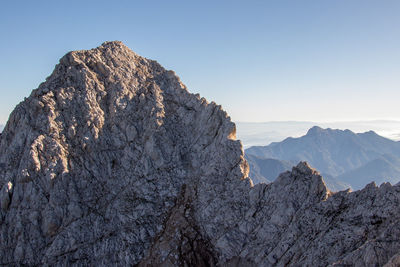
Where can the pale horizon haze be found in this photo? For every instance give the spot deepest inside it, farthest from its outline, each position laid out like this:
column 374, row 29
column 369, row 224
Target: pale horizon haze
column 261, row 60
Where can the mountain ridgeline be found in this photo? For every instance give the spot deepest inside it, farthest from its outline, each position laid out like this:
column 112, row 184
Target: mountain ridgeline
column 351, row 158
column 266, row 170
column 112, row 162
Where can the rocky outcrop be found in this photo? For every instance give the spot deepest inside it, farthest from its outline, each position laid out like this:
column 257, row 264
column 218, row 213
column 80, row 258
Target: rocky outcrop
column 112, row 161
column 98, row 156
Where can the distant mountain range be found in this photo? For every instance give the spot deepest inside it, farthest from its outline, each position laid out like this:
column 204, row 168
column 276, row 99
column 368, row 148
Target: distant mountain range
column 266, row 170
column 383, row 169
column 264, row 133
column 1, row 128
column 342, row 156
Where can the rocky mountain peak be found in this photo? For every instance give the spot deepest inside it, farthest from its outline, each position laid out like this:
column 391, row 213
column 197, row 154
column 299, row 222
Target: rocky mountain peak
column 111, row 161
column 109, row 139
column 314, row 130
column 304, row 168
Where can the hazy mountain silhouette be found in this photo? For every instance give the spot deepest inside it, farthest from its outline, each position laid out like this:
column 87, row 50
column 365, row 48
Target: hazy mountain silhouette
column 382, row 169
column 266, row 170
column 334, row 184
column 340, row 154
column 263, row 170
column 264, row 133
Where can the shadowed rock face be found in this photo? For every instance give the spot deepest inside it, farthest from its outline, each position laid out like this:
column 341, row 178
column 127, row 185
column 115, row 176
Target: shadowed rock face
column 112, row 161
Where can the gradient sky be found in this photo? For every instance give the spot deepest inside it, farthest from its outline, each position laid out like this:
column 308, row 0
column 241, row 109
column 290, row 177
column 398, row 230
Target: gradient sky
column 261, row 60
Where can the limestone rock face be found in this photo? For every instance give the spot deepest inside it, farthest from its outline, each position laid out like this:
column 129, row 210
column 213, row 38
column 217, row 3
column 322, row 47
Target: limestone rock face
column 98, row 155
column 111, row 161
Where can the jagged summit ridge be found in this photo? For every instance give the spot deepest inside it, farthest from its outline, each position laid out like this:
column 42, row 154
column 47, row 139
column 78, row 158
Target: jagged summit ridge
column 108, row 140
column 111, row 161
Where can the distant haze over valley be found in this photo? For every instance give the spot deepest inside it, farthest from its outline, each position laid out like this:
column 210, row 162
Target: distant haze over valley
column 264, row 133
column 343, row 157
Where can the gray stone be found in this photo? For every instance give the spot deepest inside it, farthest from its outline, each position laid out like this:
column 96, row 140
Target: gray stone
column 113, row 162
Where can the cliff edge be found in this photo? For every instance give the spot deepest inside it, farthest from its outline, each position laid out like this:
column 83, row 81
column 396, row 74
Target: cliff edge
column 111, row 161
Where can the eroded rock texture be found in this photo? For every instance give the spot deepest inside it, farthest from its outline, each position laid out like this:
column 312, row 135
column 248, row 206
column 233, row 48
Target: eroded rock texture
column 112, row 161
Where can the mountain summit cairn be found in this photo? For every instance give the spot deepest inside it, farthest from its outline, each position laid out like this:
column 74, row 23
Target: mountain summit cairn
column 111, row 161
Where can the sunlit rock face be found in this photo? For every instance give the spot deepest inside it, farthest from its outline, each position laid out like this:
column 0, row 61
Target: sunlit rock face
column 111, row 161
column 99, row 154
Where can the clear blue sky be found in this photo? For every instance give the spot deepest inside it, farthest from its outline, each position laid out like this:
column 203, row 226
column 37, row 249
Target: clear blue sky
column 261, row 60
